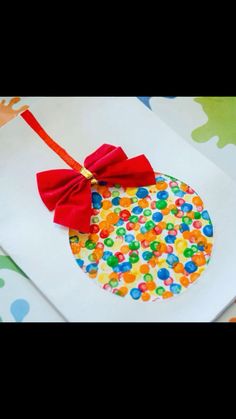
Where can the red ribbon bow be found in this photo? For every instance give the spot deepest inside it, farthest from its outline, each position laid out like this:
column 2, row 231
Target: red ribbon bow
column 69, row 192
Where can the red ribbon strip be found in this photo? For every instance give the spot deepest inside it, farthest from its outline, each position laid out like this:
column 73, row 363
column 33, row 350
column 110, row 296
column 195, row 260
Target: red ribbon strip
column 69, row 193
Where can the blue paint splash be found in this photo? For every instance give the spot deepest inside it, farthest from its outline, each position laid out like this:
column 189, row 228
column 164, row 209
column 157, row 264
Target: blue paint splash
column 146, row 99
column 19, row 309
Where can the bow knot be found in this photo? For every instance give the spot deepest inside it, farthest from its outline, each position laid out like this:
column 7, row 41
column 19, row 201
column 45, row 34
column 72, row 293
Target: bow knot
column 69, row 193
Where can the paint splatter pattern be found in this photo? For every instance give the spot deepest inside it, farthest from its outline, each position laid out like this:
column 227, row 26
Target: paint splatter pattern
column 147, row 244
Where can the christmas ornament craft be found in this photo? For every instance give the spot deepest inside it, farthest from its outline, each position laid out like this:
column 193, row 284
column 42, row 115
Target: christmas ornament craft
column 139, row 234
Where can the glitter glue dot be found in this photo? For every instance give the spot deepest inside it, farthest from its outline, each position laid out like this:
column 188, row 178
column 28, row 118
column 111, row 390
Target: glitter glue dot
column 190, row 267
column 142, row 193
column 161, row 204
column 112, row 261
column 188, row 253
column 194, row 248
column 208, row 230
column 135, row 293
column 106, row 255
column 133, row 219
column 147, row 255
column 109, row 242
column 129, row 238
column 143, row 287
column 169, row 226
column 154, row 245
column 125, row 266
column 157, row 217
column 149, row 225
column 175, row 288
column 163, row 274
column 187, row 220
column 134, row 245
column 104, row 233
column 162, row 195
column 205, row 215
column 186, row 207
column 147, row 212
column 92, row 268
column 134, row 258
column 115, row 201
column 120, row 231
column 89, row 244
column 160, row 291
column 172, row 259
column 148, row 278
column 113, row 283
column 124, row 215
column 137, row 210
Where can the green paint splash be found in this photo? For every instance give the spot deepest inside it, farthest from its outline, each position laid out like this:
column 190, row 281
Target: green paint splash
column 221, row 112
column 7, row 263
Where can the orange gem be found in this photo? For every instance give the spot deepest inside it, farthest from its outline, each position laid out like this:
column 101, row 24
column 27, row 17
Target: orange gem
column 125, row 202
column 179, row 268
column 197, row 201
column 128, row 277
column 144, row 269
column 151, row 286
column 143, row 203
column 145, row 296
column 112, row 218
column 184, row 281
column 167, row 294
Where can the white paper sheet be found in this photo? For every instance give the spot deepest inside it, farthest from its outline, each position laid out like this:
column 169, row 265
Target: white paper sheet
column 42, row 248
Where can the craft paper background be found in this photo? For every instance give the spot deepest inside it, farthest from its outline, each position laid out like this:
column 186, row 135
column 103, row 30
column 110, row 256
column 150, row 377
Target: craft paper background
column 42, row 249
column 20, row 301
column 184, row 115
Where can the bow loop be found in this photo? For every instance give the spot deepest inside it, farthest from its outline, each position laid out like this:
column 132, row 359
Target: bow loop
column 69, row 193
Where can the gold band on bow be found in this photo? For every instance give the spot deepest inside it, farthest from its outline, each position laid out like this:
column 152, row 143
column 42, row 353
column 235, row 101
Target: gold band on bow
column 88, row 175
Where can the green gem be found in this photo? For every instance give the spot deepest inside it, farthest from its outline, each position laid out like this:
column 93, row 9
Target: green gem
column 187, row 220
column 148, row 278
column 117, row 210
column 112, row 261
column 194, row 248
column 154, row 245
column 113, row 282
column 134, row 199
column 120, row 231
column 161, row 204
column 197, row 215
column 135, row 245
column 134, row 258
column 115, row 194
column 95, row 220
column 149, row 225
column 109, row 242
column 89, row 244
column 160, row 291
column 188, row 253
column 175, row 189
column 133, row 219
column 174, row 211
column 147, row 212
column 91, row 258
column 170, row 226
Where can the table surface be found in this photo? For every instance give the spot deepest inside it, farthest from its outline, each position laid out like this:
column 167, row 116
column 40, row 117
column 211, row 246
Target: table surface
column 20, row 300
